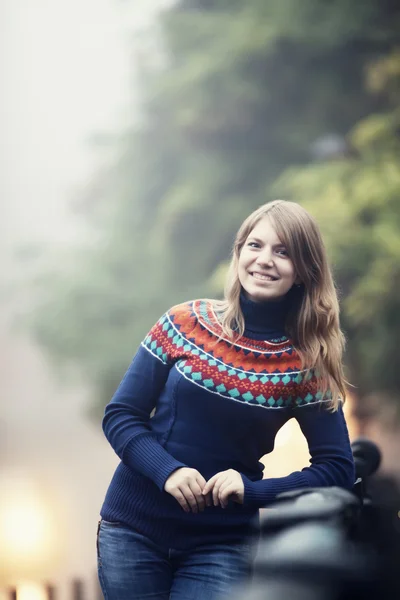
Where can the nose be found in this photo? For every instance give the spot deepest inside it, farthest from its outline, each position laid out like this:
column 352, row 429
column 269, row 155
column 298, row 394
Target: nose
column 265, row 257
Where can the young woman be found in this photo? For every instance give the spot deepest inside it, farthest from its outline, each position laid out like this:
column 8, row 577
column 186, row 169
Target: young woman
column 223, row 377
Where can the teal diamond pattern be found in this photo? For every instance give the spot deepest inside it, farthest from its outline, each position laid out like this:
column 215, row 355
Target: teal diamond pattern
column 247, row 396
column 299, row 378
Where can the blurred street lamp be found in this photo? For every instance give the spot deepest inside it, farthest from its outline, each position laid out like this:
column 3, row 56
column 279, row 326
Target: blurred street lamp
column 31, row 591
column 28, row 544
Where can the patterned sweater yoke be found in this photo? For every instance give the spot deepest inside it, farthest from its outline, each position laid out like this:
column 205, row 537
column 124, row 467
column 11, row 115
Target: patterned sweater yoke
column 262, row 373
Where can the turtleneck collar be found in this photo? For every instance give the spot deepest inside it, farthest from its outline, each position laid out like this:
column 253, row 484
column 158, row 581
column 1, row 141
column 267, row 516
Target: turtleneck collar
column 264, row 320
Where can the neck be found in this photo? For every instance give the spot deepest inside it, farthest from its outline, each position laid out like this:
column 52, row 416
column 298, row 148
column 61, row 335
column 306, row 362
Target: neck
column 264, row 320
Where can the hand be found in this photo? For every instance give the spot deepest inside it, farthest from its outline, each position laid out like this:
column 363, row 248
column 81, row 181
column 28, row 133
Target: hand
column 225, row 484
column 185, row 485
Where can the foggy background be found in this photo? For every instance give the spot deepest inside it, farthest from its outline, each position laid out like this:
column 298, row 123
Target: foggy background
column 124, row 151
column 64, row 78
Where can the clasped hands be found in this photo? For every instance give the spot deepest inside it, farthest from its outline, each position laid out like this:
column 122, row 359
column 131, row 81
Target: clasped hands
column 194, row 493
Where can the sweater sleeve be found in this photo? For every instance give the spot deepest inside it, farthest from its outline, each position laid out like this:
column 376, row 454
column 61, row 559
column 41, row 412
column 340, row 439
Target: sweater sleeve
column 331, row 462
column 126, row 422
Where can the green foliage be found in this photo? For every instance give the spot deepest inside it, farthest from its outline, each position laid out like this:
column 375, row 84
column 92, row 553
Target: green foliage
column 238, row 95
column 357, row 203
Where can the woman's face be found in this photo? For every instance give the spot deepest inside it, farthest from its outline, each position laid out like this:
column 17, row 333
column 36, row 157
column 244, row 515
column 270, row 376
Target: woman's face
column 265, row 270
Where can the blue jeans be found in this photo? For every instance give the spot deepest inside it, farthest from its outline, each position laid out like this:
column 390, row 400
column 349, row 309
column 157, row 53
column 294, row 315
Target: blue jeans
column 132, row 567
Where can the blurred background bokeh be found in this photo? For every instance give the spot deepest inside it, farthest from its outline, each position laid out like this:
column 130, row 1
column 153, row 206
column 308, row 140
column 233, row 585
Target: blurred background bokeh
column 136, row 136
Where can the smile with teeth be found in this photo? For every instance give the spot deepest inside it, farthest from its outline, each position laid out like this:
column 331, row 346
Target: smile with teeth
column 263, row 277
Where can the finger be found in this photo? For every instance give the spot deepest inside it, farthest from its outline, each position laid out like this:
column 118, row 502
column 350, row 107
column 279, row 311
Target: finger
column 210, row 484
column 224, row 493
column 196, row 491
column 182, row 500
column 190, row 498
column 208, row 499
column 200, row 480
column 215, row 491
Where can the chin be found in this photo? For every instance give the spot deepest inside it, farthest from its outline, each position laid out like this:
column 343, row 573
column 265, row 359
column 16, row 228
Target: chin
column 261, row 297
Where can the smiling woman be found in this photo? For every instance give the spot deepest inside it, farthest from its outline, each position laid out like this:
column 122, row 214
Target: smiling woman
column 265, row 269
column 279, row 254
column 224, row 377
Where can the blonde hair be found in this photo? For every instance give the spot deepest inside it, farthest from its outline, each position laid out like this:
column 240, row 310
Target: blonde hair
column 313, row 320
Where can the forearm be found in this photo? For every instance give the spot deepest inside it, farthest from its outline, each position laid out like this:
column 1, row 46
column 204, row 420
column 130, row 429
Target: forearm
column 147, row 456
column 126, row 422
column 263, row 492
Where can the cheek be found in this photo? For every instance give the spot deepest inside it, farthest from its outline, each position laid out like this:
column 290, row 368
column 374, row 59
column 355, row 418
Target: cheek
column 242, row 264
column 289, row 271
column 241, row 271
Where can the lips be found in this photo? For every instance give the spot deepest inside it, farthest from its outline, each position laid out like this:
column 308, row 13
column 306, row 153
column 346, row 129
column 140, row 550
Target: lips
column 263, row 276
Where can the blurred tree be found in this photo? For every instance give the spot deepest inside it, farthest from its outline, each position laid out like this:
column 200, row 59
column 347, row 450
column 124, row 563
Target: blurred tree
column 232, row 95
column 357, row 202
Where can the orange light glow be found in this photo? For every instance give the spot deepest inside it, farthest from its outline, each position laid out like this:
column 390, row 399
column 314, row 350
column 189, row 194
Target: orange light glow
column 23, row 526
column 28, row 533
column 30, row 591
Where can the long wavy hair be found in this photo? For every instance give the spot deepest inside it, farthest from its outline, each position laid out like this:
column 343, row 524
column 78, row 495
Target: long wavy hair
column 313, row 319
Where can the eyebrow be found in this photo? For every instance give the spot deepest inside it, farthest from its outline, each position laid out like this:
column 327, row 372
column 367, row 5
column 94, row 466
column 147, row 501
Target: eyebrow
column 256, row 239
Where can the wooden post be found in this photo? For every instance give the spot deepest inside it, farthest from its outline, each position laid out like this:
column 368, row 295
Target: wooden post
column 77, row 590
column 50, row 591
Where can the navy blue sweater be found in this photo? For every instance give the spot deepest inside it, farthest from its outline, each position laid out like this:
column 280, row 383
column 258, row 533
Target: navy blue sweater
column 218, row 405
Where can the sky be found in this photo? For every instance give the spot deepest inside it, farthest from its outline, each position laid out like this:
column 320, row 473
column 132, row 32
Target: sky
column 64, row 76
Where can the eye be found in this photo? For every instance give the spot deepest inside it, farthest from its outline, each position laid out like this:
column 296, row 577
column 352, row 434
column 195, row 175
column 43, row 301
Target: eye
column 282, row 252
column 253, row 244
